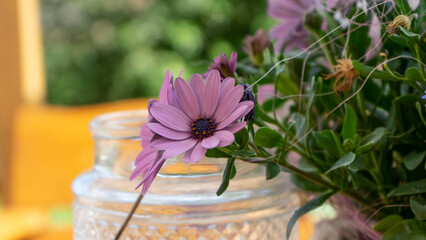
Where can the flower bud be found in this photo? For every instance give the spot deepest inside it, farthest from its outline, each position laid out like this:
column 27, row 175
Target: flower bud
column 248, row 96
column 400, row 20
column 255, row 45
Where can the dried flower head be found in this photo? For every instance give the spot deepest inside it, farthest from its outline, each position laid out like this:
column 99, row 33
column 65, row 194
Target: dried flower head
column 345, row 75
column 400, row 20
column 255, row 45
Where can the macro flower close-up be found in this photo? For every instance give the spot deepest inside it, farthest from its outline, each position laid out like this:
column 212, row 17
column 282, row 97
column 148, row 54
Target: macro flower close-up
column 190, row 118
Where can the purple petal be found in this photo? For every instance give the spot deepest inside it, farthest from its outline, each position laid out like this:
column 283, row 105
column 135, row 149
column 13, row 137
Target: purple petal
column 167, row 132
column 228, row 103
column 187, row 99
column 162, row 143
column 233, row 117
column 234, row 128
column 226, row 138
column 226, row 86
column 187, row 156
column 413, row 4
column 210, row 142
column 179, row 147
column 146, row 136
column 170, row 116
column 151, row 175
column 146, row 155
column 249, row 105
column 164, row 92
column 197, row 84
column 211, row 93
column 198, row 153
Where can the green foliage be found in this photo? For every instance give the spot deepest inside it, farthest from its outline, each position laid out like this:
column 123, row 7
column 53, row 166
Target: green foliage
column 272, row 170
column 228, row 174
column 418, row 206
column 268, row 138
column 97, row 51
column 309, row 206
column 408, row 230
column 387, row 223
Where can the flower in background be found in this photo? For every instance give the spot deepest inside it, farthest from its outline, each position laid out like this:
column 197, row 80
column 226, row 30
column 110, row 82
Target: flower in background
column 399, row 21
column 248, row 95
column 226, row 67
column 343, row 5
column 345, row 75
column 375, row 33
column 424, row 97
column 265, row 92
column 290, row 32
column 255, row 45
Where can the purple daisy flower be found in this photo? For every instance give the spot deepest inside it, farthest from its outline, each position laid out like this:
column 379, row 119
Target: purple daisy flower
column 226, row 67
column 291, row 32
column 190, row 118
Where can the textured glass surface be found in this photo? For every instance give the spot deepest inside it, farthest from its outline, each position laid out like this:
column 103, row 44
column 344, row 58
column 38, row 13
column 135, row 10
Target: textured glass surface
column 182, row 202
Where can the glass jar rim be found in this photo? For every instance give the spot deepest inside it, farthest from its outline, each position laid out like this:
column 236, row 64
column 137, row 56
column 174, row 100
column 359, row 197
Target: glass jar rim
column 119, row 125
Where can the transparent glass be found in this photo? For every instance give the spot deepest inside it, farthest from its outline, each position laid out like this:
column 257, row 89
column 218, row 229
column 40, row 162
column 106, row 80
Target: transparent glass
column 182, row 202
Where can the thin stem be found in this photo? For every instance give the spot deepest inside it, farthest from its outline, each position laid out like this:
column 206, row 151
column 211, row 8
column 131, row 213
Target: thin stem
column 325, row 184
column 422, row 70
column 129, row 216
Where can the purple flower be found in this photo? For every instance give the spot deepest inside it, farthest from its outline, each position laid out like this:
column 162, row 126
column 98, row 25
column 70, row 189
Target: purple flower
column 424, row 97
column 290, row 33
column 190, row 118
column 376, row 38
column 149, row 160
column 225, row 66
column 255, row 45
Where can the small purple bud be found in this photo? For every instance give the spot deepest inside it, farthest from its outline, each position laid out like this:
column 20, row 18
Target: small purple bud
column 248, row 96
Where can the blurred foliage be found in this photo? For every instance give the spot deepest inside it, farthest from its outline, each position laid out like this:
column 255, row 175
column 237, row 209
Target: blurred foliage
column 104, row 50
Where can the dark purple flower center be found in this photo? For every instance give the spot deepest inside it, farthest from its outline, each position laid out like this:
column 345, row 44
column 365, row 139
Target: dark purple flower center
column 202, row 127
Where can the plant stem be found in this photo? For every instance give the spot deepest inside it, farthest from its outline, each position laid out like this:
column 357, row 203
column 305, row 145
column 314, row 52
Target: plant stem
column 422, row 70
column 129, row 216
column 325, row 184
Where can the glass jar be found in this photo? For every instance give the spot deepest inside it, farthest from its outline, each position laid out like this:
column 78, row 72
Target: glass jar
column 182, row 201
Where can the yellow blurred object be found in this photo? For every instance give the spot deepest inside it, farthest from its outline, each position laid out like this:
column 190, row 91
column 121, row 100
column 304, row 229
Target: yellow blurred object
column 22, row 223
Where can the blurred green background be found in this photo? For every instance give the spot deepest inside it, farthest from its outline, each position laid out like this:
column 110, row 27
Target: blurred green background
column 105, row 50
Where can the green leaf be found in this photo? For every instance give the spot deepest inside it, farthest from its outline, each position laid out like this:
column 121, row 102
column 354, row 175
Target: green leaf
column 360, row 163
column 419, row 110
column 329, row 141
column 242, row 138
column 269, row 138
column 364, row 71
column 226, row 176
column 272, row 170
column 305, row 184
column 350, row 123
column 216, row 153
column 407, row 34
column 408, row 230
column 344, row 161
column 243, row 154
column 418, row 206
column 374, row 136
column 387, row 223
column 411, row 188
column 364, row 148
column 414, row 75
column 413, row 159
column 311, row 205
